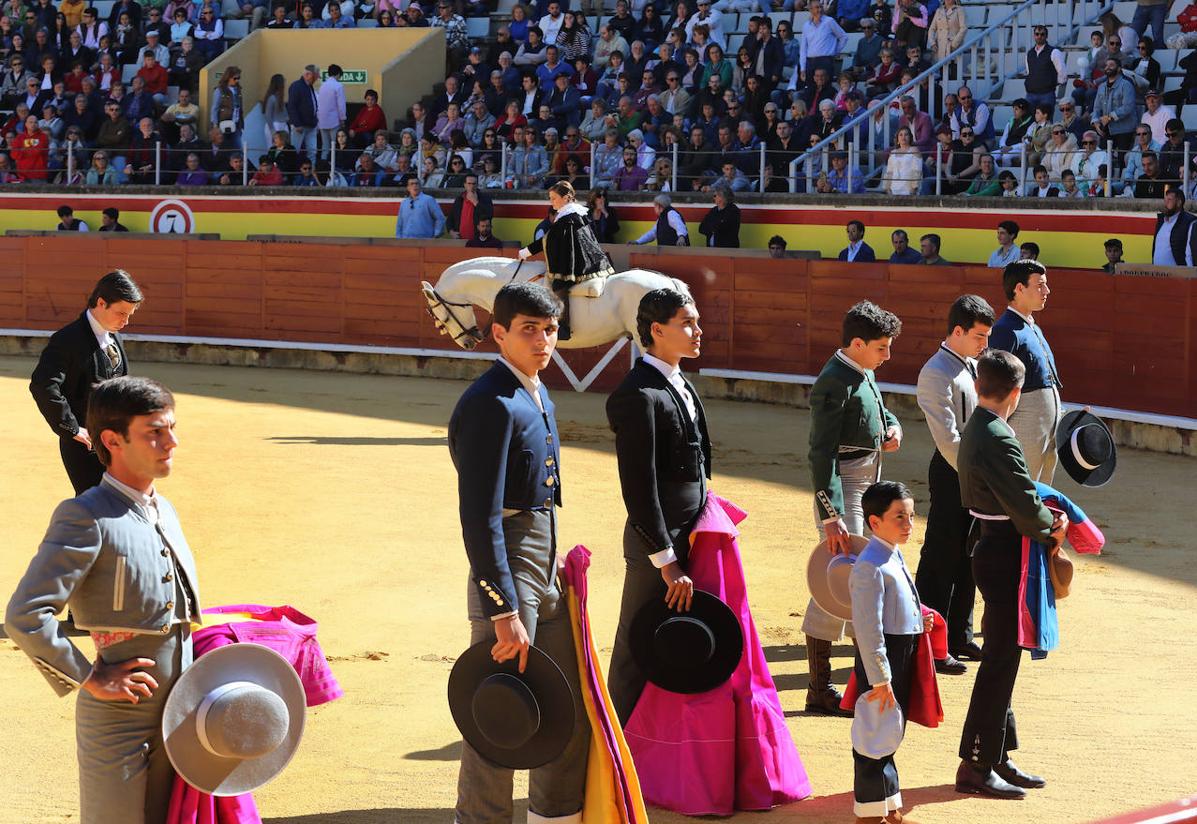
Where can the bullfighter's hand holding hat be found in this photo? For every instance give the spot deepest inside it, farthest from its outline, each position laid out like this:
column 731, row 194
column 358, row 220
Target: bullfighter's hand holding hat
column 234, row 719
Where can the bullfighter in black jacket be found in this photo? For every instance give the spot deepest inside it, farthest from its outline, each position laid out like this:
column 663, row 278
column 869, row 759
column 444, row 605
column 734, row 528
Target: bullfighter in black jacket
column 664, row 456
column 81, row 354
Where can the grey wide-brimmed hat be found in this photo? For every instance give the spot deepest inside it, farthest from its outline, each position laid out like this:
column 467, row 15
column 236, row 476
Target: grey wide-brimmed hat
column 827, row 577
column 234, row 719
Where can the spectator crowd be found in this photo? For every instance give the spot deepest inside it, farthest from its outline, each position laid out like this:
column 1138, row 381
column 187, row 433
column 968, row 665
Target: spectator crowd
column 660, row 98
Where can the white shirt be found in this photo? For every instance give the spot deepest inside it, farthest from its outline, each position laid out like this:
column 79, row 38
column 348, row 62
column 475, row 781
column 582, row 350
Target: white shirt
column 1162, row 255
column 529, row 382
column 675, row 221
column 330, row 104
column 854, row 249
column 145, row 501
column 1158, row 121
column 103, row 336
column 551, row 27
column 673, row 374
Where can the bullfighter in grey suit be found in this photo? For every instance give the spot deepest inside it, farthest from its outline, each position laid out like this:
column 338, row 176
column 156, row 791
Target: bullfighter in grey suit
column 504, row 444
column 947, row 396
column 117, row 556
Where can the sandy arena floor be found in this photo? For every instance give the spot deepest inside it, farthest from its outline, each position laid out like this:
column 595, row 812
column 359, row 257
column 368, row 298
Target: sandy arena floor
column 335, row 493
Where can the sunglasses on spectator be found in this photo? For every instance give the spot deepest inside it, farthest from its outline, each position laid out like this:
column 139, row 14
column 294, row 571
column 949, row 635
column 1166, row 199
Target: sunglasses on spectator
column 966, row 134
column 1057, row 131
column 1066, row 108
column 1142, row 134
column 1088, row 142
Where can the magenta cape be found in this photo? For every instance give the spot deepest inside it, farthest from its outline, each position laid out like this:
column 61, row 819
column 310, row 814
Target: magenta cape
column 727, row 749
column 292, row 635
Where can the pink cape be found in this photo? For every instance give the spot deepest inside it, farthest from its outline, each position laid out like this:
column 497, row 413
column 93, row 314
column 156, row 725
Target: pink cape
column 292, row 635
column 727, row 749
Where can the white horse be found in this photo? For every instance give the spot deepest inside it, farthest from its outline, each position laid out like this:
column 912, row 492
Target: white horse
column 600, row 310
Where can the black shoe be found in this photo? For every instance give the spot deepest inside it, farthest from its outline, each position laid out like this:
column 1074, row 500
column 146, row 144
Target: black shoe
column 985, row 782
column 950, row 666
column 967, row 651
column 1011, row 774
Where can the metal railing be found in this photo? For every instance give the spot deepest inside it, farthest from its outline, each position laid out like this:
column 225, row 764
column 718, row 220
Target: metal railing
column 995, row 54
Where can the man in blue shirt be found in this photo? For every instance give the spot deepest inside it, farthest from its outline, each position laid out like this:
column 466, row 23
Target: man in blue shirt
column 419, row 216
column 902, row 251
column 821, row 41
column 547, row 71
column 839, row 180
column 1038, row 414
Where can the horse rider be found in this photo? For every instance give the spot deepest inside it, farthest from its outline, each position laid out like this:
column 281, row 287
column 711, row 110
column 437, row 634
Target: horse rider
column 572, row 252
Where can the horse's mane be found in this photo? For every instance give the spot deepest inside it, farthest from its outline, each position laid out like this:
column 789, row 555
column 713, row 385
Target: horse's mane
column 495, row 264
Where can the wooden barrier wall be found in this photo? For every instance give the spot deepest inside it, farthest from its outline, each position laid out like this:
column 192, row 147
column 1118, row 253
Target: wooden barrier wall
column 1123, row 342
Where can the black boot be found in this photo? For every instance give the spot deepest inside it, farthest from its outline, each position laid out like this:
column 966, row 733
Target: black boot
column 561, row 290
column 821, row 696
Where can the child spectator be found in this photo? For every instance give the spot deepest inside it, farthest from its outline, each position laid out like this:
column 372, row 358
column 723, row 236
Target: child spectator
column 268, row 173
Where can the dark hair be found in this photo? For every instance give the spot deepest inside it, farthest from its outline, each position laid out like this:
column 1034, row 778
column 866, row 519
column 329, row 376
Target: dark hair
column 858, row 224
column 897, row 232
column 524, row 299
column 868, row 321
column 334, row 70
column 115, row 286
column 112, row 212
column 936, row 240
column 998, row 374
column 114, row 403
column 777, row 240
column 1020, row 271
column 876, row 500
column 1038, row 169
column 1030, row 246
column 1113, row 243
column 658, row 306
column 1011, row 228
column 969, row 310
column 65, row 210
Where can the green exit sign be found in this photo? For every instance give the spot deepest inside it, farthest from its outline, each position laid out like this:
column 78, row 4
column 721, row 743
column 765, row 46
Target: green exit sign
column 348, row 75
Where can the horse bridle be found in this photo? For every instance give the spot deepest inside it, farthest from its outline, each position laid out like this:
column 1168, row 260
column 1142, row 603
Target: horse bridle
column 479, row 335
column 474, row 332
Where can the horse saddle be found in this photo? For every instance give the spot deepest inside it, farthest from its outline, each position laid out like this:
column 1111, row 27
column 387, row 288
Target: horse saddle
column 589, row 288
